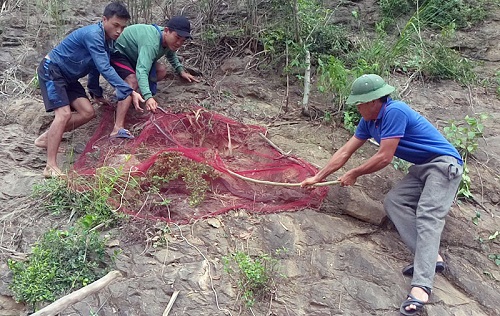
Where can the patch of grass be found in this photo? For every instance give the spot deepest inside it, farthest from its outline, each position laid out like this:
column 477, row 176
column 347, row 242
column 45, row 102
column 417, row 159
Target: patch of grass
column 60, row 262
column 436, row 14
column 464, row 13
column 255, row 275
column 90, row 198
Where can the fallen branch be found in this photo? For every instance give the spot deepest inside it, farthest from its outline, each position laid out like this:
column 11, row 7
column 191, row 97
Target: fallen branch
column 77, row 296
column 281, row 184
column 229, row 145
column 170, row 303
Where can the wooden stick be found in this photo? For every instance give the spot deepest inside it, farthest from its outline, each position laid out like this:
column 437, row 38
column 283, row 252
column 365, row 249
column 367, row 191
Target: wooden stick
column 229, row 145
column 170, row 303
column 79, row 295
column 281, row 184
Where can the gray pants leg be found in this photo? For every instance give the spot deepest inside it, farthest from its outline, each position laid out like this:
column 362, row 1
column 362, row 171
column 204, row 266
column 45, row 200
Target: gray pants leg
column 418, row 205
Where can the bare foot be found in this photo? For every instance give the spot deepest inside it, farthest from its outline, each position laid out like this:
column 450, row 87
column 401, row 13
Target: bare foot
column 53, row 172
column 41, row 142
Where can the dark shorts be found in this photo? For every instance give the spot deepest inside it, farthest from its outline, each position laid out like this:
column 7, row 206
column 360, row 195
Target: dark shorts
column 124, row 67
column 56, row 90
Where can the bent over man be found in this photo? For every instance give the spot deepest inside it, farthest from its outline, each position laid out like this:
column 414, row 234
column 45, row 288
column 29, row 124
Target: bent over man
column 419, row 203
column 136, row 61
column 84, row 51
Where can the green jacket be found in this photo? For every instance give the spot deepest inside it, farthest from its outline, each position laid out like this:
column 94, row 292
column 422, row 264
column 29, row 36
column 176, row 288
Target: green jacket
column 141, row 44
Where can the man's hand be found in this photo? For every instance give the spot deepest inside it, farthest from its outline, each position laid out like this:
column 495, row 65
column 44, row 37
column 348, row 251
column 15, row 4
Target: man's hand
column 309, row 182
column 189, row 77
column 151, row 105
column 348, row 179
column 102, row 101
column 136, row 100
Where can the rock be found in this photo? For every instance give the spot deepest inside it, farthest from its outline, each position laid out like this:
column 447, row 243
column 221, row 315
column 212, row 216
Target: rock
column 235, row 64
column 354, row 201
column 9, row 307
column 214, row 222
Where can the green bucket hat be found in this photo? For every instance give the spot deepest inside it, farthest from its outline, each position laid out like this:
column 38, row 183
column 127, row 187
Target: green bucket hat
column 368, row 88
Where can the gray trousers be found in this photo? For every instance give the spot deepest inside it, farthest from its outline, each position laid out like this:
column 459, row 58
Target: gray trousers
column 418, row 205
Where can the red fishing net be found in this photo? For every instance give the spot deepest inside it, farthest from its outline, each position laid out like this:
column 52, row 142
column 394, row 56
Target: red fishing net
column 179, row 167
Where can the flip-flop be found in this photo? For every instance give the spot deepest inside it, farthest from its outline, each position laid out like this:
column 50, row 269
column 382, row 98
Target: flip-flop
column 408, row 270
column 123, row 133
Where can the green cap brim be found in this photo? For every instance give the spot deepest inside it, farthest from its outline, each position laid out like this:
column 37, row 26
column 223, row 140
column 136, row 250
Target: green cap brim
column 367, row 97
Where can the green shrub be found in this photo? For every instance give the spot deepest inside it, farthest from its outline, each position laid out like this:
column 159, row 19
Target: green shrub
column 255, row 276
column 60, row 262
column 464, row 136
column 87, row 197
column 170, row 166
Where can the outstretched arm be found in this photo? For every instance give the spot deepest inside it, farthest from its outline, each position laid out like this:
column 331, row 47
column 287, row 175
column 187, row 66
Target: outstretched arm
column 339, row 158
column 378, row 161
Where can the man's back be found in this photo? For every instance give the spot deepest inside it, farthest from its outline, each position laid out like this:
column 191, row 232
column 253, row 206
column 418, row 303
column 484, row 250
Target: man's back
column 74, row 54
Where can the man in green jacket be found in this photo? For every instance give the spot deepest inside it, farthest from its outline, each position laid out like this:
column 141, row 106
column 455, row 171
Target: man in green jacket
column 136, row 60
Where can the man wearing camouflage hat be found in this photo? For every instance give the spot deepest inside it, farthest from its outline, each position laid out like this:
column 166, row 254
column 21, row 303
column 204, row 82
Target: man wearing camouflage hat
column 418, row 204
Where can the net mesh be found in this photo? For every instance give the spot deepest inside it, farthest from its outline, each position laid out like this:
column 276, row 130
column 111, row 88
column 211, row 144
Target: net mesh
column 178, row 167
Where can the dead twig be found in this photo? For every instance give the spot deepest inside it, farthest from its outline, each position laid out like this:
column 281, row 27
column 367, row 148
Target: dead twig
column 170, row 303
column 229, row 146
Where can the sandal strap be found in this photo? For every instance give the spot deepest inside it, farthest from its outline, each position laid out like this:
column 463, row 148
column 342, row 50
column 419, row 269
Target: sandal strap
column 412, row 300
column 426, row 289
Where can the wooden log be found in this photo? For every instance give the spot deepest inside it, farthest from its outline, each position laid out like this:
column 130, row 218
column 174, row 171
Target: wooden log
column 77, row 296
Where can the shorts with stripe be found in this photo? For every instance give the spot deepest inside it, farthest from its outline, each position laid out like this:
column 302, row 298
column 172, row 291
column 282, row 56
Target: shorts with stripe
column 124, row 67
column 56, row 90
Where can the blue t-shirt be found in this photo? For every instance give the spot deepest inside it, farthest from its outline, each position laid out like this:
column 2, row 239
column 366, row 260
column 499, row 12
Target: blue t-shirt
column 420, row 141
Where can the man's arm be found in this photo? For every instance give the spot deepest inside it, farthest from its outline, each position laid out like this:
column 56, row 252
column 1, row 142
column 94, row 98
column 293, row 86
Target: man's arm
column 97, row 48
column 176, row 64
column 382, row 158
column 145, row 61
column 174, row 61
column 339, row 158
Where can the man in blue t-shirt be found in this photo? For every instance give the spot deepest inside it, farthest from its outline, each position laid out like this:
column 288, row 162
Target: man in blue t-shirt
column 418, row 204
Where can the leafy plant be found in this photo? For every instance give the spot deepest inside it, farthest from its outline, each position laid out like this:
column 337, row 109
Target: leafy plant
column 60, row 262
column 464, row 136
column 171, row 166
column 495, row 258
column 400, row 164
column 475, row 219
column 255, row 275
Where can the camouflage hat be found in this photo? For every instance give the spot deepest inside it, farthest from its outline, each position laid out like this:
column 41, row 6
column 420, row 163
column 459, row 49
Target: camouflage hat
column 368, row 88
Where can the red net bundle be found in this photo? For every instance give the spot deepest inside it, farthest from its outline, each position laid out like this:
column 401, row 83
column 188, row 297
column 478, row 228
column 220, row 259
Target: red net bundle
column 179, row 167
